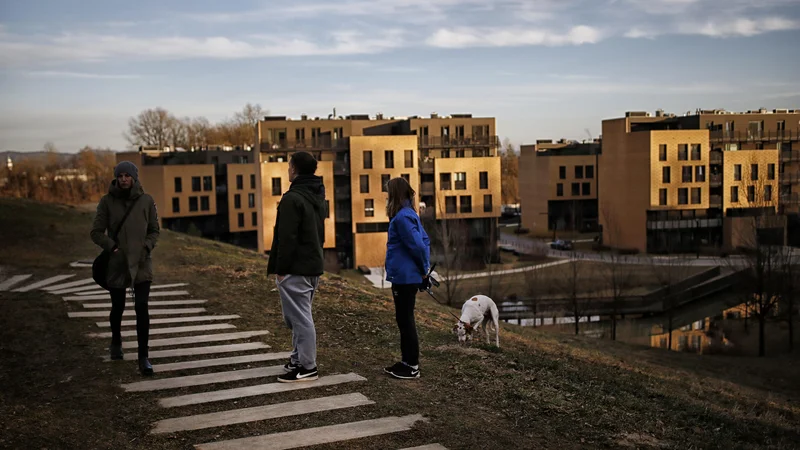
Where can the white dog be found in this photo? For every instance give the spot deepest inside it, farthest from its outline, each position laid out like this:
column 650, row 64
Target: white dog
column 478, row 310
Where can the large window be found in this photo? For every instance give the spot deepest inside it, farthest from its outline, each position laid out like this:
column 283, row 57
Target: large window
column 662, row 152
column 770, row 171
column 487, row 203
column 576, row 189
column 586, row 188
column 662, row 197
column 751, row 194
column 560, row 190
column 237, row 201
column 251, row 200
column 369, row 207
column 768, row 193
column 683, row 196
column 578, row 172
column 562, row 172
column 208, row 184
column 252, row 181
column 364, row 184
column 700, row 174
column 276, row 186
column 734, row 194
column 408, row 159
column 195, row 184
column 461, row 181
column 696, row 194
column 178, row 184
column 444, row 182
column 450, row 205
column 176, row 204
column 192, row 204
column 368, row 159
column 239, row 182
column 484, row 180
column 665, row 175
column 683, row 152
column 754, row 172
column 696, row 152
column 388, row 156
column 686, row 174
column 737, row 172
column 254, row 218
column 589, row 171
column 466, row 203
column 384, row 181
column 205, row 204
column 241, row 220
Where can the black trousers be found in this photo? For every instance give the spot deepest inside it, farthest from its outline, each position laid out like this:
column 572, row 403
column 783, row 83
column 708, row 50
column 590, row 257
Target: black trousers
column 141, row 294
column 405, row 296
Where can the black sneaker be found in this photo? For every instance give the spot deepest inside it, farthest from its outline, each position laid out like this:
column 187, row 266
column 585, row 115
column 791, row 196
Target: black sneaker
column 403, row 371
column 299, row 374
column 290, row 366
column 115, row 351
column 394, row 368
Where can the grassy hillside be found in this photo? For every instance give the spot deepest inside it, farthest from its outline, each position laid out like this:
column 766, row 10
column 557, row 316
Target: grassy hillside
column 539, row 391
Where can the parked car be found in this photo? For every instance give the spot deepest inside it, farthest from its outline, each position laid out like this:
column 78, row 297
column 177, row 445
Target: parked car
column 560, row 244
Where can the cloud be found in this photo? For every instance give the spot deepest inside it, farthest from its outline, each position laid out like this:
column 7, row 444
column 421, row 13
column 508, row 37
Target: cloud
column 95, row 76
column 498, row 37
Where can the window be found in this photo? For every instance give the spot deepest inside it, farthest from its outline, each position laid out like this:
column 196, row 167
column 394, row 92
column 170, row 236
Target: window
column 576, row 189
column 368, row 159
column 781, row 125
column 207, row 184
column 686, row 174
column 683, row 152
column 178, row 184
column 406, row 177
column 665, row 175
column 487, row 203
column 562, row 172
column 734, row 194
column 751, row 193
column 384, row 182
column 662, row 152
column 683, row 196
column 195, row 184
column 696, row 152
column 662, row 197
column 237, row 201
column 586, row 189
column 696, row 194
column 737, row 172
column 589, row 171
column 450, row 205
column 461, row 181
column 754, row 172
column 192, row 203
column 445, row 153
column 254, row 219
column 328, row 210
column 459, row 153
column 559, row 190
column 239, row 182
column 252, row 181
column 768, row 193
column 444, row 182
column 176, row 204
column 578, row 172
column 364, row 184
column 241, row 220
column 770, row 171
column 276, row 186
column 408, row 158
column 700, row 174
column 251, row 200
column 388, row 157
column 369, row 207
column 484, row 180
column 466, row 203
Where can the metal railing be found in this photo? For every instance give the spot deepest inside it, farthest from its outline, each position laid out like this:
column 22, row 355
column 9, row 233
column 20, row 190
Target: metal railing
column 787, row 156
column 458, row 141
column 319, row 143
column 755, row 135
column 790, row 178
column 790, row 199
column 427, row 187
column 715, row 180
column 341, row 167
column 426, row 165
column 715, row 200
column 715, row 158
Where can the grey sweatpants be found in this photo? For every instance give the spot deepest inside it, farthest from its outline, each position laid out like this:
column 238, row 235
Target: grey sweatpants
column 296, row 293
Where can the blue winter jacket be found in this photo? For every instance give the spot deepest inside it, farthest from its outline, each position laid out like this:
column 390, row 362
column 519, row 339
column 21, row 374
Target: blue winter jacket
column 408, row 250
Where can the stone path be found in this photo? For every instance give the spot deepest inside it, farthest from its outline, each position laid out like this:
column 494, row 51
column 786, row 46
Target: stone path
column 243, row 365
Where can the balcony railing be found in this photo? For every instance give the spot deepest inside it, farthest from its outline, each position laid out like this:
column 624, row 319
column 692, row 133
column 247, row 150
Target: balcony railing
column 790, row 178
column 755, row 135
column 715, row 158
column 426, row 164
column 320, row 143
column 427, row 187
column 790, row 199
column 715, row 180
column 790, row 156
column 458, row 141
column 715, row 200
column 341, row 167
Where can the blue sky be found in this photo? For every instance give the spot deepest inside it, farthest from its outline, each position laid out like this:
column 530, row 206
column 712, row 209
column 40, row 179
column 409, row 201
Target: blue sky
column 73, row 72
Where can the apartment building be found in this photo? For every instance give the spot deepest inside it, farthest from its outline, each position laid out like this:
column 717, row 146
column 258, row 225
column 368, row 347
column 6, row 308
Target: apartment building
column 451, row 162
column 558, row 186
column 676, row 183
column 211, row 192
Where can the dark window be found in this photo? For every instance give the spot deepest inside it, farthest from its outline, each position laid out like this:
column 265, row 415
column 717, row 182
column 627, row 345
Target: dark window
column 406, row 177
column 589, row 171
column 239, row 182
column 445, row 153
column 562, row 172
column 373, row 227
column 665, row 175
column 662, row 152
column 192, row 203
column 466, row 204
column 205, row 205
column 484, row 180
column 388, row 156
column 384, row 182
column 683, row 152
column 487, row 203
column 327, row 209
column 207, row 184
column 700, row 174
column 368, row 159
column 251, row 200
column 237, row 201
column 559, row 190
column 254, row 218
column 241, row 220
column 276, row 186
column 450, row 205
column 444, row 182
column 696, row 194
column 686, row 174
column 461, row 181
column 737, row 172
column 369, row 207
column 734, row 194
column 578, row 172
column 770, row 171
column 178, row 184
column 683, row 196
column 754, row 172
column 696, row 152
column 408, row 158
column 176, row 204
column 576, row 189
column 364, row 184
column 252, row 181
column 459, row 153
column 662, row 197
column 195, row 184
column 751, row 193
column 586, row 188
column 768, row 193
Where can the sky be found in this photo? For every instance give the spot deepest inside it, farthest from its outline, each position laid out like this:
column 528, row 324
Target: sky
column 74, row 72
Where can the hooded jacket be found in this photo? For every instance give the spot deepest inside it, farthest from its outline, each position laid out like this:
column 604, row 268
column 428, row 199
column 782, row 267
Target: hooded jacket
column 299, row 231
column 137, row 238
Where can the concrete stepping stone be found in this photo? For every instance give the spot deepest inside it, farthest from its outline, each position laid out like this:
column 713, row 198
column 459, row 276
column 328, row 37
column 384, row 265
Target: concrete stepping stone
column 130, row 291
column 43, row 283
column 427, row 447
column 106, row 296
column 199, row 380
column 165, row 320
column 258, row 413
column 71, row 284
column 319, row 435
column 198, row 339
column 172, row 330
column 259, row 389
column 192, row 351
column 153, row 303
column 128, row 312
column 221, row 361
column 5, row 285
column 78, row 289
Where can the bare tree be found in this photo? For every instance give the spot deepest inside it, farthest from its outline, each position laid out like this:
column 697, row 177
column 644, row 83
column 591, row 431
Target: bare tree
column 570, row 283
column 667, row 271
column 535, row 287
column 615, row 272
column 152, row 127
column 509, row 173
column 450, row 244
column 249, row 115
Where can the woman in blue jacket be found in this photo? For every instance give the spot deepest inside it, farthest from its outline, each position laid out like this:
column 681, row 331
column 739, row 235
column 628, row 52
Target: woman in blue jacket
column 407, row 262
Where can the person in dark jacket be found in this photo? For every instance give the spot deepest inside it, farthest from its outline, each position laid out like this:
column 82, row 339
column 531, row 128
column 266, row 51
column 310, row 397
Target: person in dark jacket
column 408, row 251
column 130, row 264
column 296, row 260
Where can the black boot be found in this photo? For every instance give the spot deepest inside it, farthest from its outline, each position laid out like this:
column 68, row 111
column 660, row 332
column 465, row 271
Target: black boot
column 115, row 351
column 144, row 367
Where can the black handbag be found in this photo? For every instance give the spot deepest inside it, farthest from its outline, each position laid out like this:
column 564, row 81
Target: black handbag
column 100, row 264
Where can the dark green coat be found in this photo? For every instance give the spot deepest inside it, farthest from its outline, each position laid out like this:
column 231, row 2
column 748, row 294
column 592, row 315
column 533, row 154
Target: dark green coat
column 299, row 231
column 137, row 238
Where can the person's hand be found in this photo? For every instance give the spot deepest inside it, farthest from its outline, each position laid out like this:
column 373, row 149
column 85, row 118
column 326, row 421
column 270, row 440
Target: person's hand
column 425, row 285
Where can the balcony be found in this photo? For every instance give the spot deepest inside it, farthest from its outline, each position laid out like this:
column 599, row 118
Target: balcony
column 457, row 141
column 715, row 201
column 790, row 199
column 426, row 165
column 755, row 136
column 790, row 178
column 715, row 180
column 427, row 188
column 341, row 168
column 790, row 156
column 715, row 158
column 320, row 143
